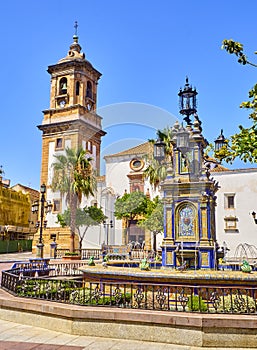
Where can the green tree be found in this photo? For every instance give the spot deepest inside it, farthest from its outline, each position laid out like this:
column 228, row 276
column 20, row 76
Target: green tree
column 85, row 218
column 156, row 170
column 73, row 177
column 242, row 145
column 130, row 207
column 153, row 220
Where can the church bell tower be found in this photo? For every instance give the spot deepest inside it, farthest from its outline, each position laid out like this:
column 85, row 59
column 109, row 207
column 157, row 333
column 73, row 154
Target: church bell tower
column 71, row 120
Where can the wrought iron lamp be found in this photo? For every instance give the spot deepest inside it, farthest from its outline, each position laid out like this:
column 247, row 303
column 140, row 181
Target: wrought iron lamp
column 182, row 140
column 107, row 226
column 187, row 101
column 220, row 141
column 45, row 207
column 159, row 150
column 254, row 217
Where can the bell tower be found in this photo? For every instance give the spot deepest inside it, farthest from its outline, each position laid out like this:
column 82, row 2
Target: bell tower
column 71, row 120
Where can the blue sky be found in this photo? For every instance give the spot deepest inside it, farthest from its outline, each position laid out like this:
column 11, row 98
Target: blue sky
column 143, row 48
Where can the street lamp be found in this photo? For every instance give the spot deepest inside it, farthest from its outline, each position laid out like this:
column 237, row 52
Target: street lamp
column 45, row 206
column 254, row 217
column 159, row 150
column 182, row 140
column 107, row 225
column 220, row 141
column 187, row 101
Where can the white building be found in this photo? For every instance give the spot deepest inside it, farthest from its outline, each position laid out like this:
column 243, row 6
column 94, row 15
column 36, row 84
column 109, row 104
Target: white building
column 236, row 198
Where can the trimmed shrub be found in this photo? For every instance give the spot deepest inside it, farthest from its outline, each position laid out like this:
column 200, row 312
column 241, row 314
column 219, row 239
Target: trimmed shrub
column 196, row 303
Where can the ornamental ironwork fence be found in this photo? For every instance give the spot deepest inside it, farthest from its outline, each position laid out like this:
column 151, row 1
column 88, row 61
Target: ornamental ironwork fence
column 64, row 284
column 84, row 253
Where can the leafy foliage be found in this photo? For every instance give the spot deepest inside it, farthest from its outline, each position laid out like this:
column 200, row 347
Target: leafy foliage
column 237, row 304
column 156, row 171
column 73, row 174
column 196, row 303
column 73, row 177
column 153, row 220
column 130, row 205
column 242, row 145
column 136, row 205
column 236, row 48
column 86, row 217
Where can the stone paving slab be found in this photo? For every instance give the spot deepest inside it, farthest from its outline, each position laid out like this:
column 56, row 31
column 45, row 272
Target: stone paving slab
column 41, row 339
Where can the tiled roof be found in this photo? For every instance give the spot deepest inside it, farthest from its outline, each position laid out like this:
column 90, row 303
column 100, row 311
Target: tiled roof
column 26, row 189
column 143, row 148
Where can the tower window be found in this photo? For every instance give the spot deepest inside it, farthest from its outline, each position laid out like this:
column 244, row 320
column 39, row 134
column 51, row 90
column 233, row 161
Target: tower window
column 89, row 90
column 63, row 86
column 89, row 146
column 77, row 88
column 59, row 143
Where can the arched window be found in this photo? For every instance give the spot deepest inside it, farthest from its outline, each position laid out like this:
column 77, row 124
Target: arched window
column 77, row 88
column 63, row 86
column 89, row 90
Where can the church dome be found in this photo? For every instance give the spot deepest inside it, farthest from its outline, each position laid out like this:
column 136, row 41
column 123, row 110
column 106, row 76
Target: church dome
column 74, row 52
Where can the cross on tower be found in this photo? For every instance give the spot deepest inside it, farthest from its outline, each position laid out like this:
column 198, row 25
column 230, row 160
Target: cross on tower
column 76, row 27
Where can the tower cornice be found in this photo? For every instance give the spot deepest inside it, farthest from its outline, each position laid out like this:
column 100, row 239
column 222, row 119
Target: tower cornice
column 65, row 126
column 77, row 64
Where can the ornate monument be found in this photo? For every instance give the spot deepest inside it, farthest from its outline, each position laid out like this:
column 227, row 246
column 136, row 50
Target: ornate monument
column 189, row 195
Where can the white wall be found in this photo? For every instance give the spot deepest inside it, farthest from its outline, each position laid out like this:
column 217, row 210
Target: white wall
column 117, row 170
column 244, row 184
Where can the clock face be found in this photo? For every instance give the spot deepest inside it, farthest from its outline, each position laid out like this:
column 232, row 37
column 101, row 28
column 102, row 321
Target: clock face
column 62, row 103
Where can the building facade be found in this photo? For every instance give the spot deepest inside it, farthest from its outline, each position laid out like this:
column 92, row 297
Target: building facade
column 236, row 201
column 125, row 173
column 16, row 219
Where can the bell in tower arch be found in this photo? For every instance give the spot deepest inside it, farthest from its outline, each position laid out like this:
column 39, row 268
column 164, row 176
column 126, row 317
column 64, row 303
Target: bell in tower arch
column 63, row 86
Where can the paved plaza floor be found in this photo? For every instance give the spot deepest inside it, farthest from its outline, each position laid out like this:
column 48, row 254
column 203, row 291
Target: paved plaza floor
column 14, row 336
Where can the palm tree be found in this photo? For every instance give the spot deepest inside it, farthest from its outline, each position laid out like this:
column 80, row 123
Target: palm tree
column 156, row 171
column 73, row 177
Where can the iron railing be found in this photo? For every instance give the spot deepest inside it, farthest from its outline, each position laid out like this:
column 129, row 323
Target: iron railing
column 84, row 253
column 136, row 254
column 183, row 298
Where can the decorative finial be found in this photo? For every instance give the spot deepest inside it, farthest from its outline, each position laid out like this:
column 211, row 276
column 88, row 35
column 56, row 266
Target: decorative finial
column 76, row 28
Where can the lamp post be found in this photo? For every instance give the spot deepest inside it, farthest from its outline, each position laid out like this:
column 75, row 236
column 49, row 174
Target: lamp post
column 159, row 150
column 220, row 141
column 225, row 250
column 44, row 207
column 254, row 217
column 106, row 226
column 187, row 101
